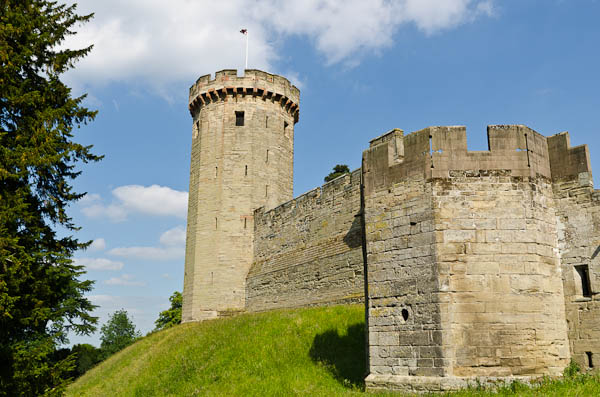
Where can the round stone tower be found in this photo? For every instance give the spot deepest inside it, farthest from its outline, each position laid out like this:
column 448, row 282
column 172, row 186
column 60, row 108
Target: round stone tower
column 242, row 159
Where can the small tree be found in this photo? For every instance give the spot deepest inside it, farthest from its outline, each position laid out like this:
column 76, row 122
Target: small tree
column 171, row 316
column 338, row 170
column 118, row 333
column 87, row 357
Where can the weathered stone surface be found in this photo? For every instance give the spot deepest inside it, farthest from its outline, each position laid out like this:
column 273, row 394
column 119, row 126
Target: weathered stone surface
column 308, row 251
column 512, row 226
column 479, row 265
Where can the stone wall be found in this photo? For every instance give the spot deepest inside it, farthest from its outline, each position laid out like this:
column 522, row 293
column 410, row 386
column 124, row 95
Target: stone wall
column 578, row 212
column 308, row 251
column 464, row 278
column 495, row 241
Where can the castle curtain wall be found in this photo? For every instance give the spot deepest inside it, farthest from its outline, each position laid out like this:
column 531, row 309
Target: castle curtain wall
column 308, row 251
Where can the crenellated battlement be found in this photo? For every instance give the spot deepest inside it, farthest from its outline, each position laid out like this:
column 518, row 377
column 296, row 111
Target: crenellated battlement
column 434, row 151
column 308, row 200
column 255, row 84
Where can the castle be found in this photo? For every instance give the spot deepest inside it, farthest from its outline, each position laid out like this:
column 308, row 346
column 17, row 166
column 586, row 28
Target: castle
column 472, row 264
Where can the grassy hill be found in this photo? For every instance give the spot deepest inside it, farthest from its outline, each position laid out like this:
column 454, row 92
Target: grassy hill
column 312, row 352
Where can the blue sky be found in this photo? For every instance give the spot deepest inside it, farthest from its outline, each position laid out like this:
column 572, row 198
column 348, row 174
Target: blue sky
column 363, row 68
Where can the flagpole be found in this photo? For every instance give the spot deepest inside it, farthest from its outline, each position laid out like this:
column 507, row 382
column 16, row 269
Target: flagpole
column 246, row 50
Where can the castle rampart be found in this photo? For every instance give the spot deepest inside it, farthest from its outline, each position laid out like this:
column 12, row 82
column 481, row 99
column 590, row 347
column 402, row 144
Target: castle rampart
column 308, row 251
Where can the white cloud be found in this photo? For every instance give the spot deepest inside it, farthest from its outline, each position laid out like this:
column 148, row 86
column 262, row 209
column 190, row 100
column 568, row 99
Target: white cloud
column 98, row 263
column 89, row 199
column 154, row 200
column 125, row 280
column 158, row 43
column 98, row 244
column 114, row 212
column 172, row 246
column 151, row 200
column 173, row 237
column 150, row 253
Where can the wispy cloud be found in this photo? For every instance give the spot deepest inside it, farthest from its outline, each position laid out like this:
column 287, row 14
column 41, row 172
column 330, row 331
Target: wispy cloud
column 147, row 252
column 98, row 244
column 172, row 246
column 98, row 263
column 173, row 237
column 150, row 200
column 166, row 44
column 125, row 280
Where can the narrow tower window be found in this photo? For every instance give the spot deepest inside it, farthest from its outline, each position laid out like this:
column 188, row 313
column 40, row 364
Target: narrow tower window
column 216, row 171
column 245, row 222
column 216, row 223
column 197, row 131
column 583, row 274
column 267, row 158
column 239, row 119
column 266, row 121
column 246, row 171
column 590, row 361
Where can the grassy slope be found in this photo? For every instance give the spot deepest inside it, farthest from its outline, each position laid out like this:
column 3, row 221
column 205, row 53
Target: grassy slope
column 271, row 353
column 317, row 352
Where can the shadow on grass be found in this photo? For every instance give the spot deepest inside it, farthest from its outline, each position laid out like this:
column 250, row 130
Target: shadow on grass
column 342, row 355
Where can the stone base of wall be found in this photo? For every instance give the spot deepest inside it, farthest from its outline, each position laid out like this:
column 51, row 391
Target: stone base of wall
column 426, row 384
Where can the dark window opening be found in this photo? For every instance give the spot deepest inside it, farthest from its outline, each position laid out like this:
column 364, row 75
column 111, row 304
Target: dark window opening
column 584, row 278
column 239, row 119
column 245, row 222
column 267, row 158
column 216, row 171
column 246, row 171
column 266, row 121
column 216, row 223
column 197, row 126
column 285, row 126
column 590, row 361
column 405, row 314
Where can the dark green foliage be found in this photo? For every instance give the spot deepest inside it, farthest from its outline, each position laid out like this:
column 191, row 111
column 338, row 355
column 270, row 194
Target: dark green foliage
column 41, row 296
column 171, row 316
column 118, row 333
column 338, row 170
column 87, row 356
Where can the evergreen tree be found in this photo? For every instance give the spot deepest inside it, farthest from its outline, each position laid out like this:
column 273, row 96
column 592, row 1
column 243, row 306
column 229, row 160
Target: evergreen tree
column 41, row 294
column 171, row 316
column 338, row 170
column 118, row 333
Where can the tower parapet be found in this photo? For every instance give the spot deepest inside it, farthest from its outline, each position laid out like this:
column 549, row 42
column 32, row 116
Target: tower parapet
column 255, row 83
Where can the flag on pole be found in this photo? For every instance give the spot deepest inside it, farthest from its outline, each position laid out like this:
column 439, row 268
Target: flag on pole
column 245, row 33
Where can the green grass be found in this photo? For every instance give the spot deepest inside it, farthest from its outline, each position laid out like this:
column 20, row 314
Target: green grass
column 312, row 352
